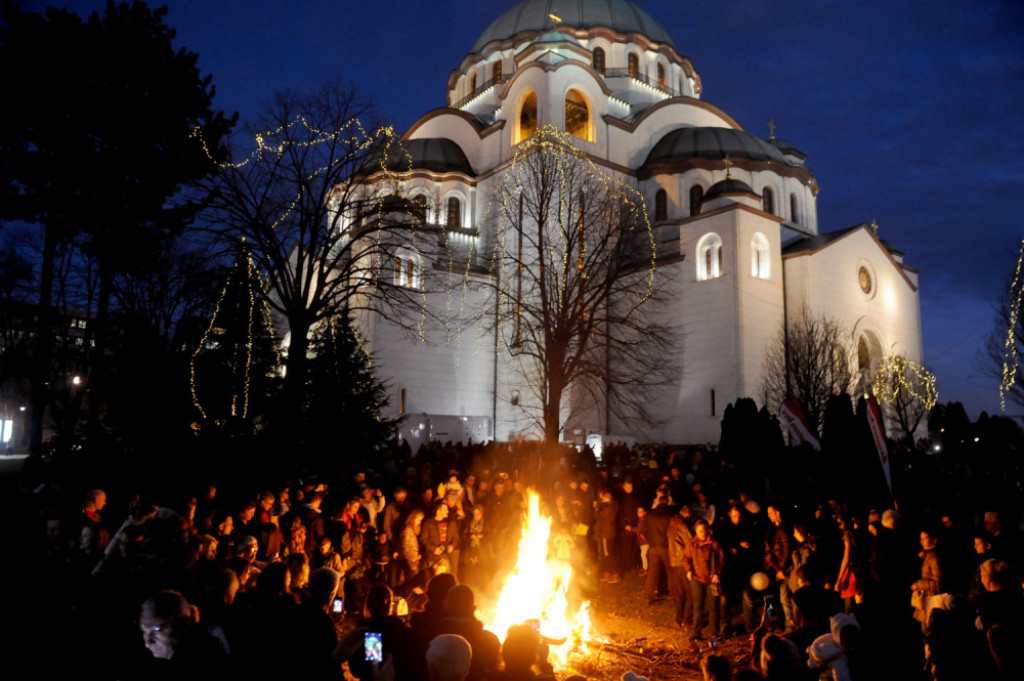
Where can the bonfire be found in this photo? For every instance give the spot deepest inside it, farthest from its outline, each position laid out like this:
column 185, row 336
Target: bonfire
column 537, row 591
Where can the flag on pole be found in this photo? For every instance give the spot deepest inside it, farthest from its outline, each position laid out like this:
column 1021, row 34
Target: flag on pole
column 878, row 434
column 792, row 414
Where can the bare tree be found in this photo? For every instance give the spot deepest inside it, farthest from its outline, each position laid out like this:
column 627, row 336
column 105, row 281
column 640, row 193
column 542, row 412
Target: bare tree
column 313, row 221
column 811, row 361
column 906, row 391
column 574, row 265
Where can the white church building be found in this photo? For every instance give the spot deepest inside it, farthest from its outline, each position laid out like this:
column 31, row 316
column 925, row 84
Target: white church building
column 738, row 211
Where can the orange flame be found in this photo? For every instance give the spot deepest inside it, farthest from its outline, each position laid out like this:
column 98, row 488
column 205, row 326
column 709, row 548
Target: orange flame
column 538, row 589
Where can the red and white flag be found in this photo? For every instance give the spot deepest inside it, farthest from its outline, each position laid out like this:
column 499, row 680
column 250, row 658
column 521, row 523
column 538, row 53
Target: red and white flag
column 878, row 434
column 792, row 414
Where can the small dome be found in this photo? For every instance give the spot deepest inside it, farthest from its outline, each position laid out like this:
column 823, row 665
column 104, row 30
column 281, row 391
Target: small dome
column 437, row 154
column 729, row 185
column 532, row 15
column 713, row 143
column 786, row 147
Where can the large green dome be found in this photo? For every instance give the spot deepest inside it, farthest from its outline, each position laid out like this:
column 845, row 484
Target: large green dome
column 532, row 15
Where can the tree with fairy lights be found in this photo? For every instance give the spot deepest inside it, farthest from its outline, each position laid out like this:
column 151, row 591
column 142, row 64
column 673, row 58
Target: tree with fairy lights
column 811, row 361
column 906, row 392
column 576, row 282
column 313, row 223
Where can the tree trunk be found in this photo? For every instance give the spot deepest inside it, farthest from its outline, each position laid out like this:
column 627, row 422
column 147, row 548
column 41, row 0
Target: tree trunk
column 98, row 366
column 43, row 347
column 296, row 369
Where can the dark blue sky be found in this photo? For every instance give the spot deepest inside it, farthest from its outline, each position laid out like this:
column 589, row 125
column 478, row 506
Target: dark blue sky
column 910, row 112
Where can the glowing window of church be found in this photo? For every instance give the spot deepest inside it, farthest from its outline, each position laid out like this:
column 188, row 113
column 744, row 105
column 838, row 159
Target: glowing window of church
column 599, row 60
column 634, row 65
column 793, row 210
column 660, row 206
column 661, row 77
column 577, row 115
column 454, row 213
column 696, row 196
column 472, row 84
column 768, row 200
column 709, row 257
column 760, row 262
column 496, row 72
column 527, row 117
column 419, row 209
column 407, row 271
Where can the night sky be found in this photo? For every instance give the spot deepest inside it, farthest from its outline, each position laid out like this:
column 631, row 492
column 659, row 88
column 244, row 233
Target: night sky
column 910, row 113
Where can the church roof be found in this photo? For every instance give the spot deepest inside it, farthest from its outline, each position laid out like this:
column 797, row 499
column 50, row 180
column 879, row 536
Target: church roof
column 786, row 147
column 437, row 154
column 555, row 37
column 819, row 241
column 714, row 143
column 729, row 185
column 532, row 15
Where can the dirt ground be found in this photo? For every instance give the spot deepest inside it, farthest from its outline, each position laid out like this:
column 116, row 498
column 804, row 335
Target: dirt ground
column 633, row 636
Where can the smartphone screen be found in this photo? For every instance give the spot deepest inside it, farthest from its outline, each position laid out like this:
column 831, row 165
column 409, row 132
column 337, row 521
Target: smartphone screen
column 373, row 646
column 338, row 606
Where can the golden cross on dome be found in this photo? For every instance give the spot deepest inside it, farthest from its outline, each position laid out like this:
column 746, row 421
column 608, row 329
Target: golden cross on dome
column 771, row 128
column 874, row 225
column 728, row 165
column 555, row 19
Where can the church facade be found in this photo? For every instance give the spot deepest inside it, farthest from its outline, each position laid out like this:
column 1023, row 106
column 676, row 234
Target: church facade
column 737, row 212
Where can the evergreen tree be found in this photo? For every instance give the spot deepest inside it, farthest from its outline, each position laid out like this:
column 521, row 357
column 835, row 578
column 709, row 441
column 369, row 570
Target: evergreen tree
column 343, row 398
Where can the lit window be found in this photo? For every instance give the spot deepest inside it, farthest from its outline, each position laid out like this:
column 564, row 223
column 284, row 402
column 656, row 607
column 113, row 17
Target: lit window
column 472, row 84
column 634, row 65
column 660, row 206
column 793, row 211
column 599, row 60
column 760, row 262
column 454, row 212
column 696, row 196
column 496, row 72
column 661, row 77
column 768, row 200
column 577, row 115
column 407, row 271
column 527, row 117
column 709, row 257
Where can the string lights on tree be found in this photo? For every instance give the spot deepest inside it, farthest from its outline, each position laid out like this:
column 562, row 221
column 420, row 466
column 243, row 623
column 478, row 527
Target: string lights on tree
column 1010, row 351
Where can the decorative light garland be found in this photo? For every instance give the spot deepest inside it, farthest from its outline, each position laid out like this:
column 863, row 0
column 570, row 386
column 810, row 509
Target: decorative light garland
column 898, row 373
column 1011, row 358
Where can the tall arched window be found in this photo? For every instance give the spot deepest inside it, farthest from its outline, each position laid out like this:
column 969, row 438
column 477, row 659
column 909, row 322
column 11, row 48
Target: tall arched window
column 760, row 262
column 527, row 117
column 634, row 64
column 407, row 270
column 661, row 76
column 709, row 257
column 496, row 72
column 660, row 206
column 696, row 196
column 419, row 209
column 577, row 114
column 793, row 209
column 768, row 200
column 472, row 84
column 598, row 62
column 454, row 212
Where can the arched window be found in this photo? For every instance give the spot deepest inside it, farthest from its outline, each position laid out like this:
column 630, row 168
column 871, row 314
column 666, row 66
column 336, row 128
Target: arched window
column 496, row 72
column 760, row 261
column 407, row 270
column 419, row 209
column 661, row 77
column 454, row 212
column 634, row 65
column 527, row 117
column 660, row 206
column 472, row 84
column 768, row 200
column 696, row 196
column 577, row 114
column 598, row 61
column 709, row 257
column 793, row 210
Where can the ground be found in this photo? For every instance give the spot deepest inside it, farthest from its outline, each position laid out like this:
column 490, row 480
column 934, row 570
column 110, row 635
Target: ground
column 642, row 638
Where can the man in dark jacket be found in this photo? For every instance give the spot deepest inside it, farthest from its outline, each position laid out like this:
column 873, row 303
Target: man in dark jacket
column 703, row 560
column 657, row 521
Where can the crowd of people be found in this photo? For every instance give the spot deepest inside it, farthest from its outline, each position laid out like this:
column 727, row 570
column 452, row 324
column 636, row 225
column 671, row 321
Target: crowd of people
column 375, row 570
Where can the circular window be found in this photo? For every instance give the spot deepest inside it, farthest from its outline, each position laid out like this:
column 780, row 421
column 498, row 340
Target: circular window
column 864, row 279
